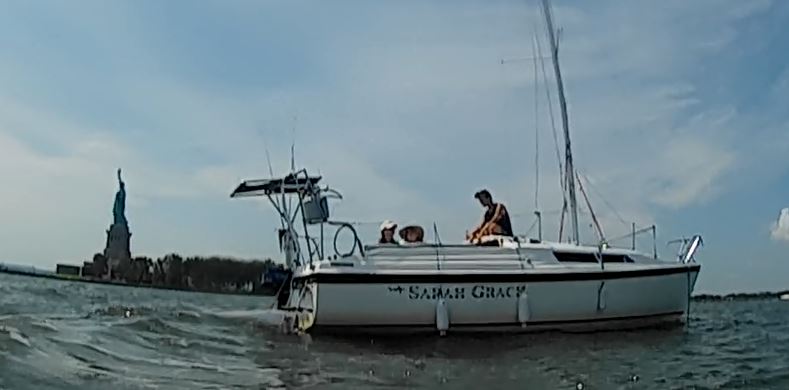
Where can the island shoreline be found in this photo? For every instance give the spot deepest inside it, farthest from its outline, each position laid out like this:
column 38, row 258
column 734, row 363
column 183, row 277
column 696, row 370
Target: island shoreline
column 263, row 291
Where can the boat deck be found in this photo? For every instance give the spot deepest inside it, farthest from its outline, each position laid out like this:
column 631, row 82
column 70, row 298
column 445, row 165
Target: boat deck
column 511, row 263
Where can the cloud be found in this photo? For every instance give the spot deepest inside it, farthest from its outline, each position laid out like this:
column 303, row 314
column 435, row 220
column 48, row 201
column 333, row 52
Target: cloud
column 693, row 167
column 57, row 195
column 406, row 122
column 780, row 228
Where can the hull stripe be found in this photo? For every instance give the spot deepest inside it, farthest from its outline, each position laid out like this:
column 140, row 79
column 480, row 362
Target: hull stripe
column 505, row 324
column 388, row 278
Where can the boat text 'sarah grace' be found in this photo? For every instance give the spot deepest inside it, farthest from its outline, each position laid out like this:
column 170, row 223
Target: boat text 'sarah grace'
column 516, row 284
column 519, row 284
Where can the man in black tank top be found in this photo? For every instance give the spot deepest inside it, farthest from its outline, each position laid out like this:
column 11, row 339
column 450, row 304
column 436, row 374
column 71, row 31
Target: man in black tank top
column 496, row 220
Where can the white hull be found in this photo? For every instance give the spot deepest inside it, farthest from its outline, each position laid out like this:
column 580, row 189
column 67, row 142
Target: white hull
column 567, row 296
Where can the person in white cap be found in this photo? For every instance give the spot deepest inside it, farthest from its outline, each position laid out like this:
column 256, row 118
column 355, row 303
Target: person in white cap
column 388, row 233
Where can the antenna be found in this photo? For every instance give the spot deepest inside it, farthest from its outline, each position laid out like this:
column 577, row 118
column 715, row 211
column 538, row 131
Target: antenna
column 293, row 157
column 293, row 146
column 549, row 100
column 535, row 57
column 268, row 160
column 268, row 155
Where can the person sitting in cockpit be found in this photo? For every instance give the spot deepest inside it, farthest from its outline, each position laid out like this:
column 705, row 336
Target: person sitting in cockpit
column 412, row 234
column 388, row 233
column 495, row 222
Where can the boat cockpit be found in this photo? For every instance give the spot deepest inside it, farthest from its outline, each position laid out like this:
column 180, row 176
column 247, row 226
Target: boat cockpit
column 304, row 223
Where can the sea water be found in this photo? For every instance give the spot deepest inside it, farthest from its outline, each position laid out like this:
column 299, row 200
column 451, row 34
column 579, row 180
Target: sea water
column 69, row 335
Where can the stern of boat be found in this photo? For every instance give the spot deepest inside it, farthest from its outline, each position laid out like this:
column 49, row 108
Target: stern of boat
column 301, row 304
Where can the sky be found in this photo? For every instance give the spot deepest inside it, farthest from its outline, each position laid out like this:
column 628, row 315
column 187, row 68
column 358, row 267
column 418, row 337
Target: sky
column 677, row 116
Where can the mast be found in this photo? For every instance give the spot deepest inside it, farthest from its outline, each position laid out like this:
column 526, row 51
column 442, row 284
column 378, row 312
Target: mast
column 568, row 159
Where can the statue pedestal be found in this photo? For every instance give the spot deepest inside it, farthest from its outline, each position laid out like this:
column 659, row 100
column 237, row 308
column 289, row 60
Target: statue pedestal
column 118, row 250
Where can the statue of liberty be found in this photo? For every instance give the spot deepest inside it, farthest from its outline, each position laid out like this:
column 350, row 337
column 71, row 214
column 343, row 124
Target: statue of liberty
column 119, row 208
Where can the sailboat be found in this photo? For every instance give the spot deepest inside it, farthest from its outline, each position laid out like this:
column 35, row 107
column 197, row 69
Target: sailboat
column 517, row 284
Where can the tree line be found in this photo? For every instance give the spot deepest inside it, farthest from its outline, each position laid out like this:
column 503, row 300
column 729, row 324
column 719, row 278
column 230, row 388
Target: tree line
column 210, row 274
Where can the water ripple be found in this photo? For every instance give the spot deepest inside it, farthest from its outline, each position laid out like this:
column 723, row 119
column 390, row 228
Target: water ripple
column 64, row 335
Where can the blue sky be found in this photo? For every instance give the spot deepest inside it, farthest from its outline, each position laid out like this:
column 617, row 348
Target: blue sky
column 677, row 113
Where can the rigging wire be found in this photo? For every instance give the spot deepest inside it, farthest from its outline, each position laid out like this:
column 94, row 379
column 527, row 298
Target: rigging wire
column 522, row 214
column 270, row 166
column 591, row 211
column 605, row 201
column 531, row 227
column 292, row 155
column 629, row 235
column 531, row 213
column 562, row 181
column 550, row 111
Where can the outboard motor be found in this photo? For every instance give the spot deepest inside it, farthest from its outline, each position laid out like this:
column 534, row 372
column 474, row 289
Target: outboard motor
column 288, row 245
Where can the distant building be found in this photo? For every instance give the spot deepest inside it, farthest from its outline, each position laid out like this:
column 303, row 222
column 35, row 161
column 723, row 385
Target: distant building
column 87, row 269
column 66, row 269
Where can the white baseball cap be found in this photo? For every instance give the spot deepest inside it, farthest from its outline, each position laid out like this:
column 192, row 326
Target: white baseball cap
column 387, row 225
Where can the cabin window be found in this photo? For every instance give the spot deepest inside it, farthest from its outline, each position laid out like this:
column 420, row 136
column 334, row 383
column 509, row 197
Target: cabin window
column 576, row 257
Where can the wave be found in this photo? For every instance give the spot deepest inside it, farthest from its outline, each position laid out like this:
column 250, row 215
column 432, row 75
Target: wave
column 13, row 335
column 99, row 337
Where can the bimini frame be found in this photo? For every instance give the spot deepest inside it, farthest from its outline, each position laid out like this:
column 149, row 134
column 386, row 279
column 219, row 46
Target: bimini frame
column 312, row 208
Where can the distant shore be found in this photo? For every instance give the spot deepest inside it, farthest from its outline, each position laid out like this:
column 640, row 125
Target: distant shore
column 212, row 274
column 741, row 296
column 68, row 278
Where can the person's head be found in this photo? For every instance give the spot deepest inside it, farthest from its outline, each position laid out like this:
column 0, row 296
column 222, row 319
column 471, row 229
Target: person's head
column 484, row 198
column 412, row 234
column 388, row 231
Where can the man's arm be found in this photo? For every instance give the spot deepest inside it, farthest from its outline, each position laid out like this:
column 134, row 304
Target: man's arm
column 495, row 220
column 498, row 214
column 478, row 228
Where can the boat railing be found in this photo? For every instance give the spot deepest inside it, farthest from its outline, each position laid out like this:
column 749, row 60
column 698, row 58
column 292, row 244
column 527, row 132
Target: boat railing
column 636, row 232
column 687, row 248
column 357, row 242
